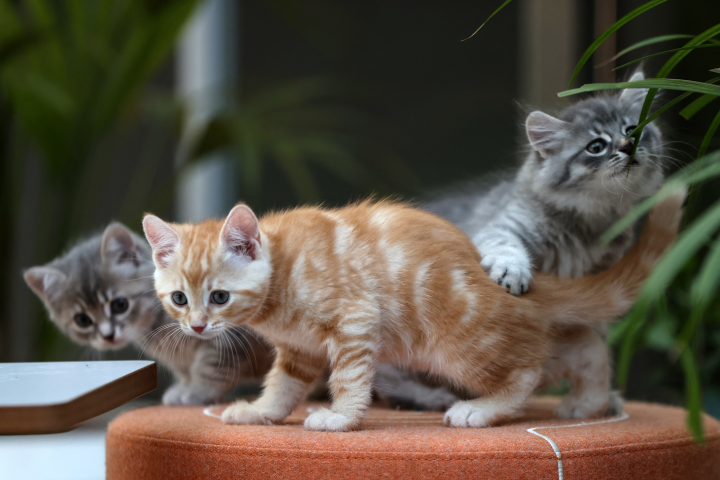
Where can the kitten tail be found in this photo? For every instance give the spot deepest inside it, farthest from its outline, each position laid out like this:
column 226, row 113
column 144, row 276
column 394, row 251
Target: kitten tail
column 610, row 294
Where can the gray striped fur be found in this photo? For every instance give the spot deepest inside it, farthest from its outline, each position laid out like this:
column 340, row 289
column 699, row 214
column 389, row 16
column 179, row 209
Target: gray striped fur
column 117, row 264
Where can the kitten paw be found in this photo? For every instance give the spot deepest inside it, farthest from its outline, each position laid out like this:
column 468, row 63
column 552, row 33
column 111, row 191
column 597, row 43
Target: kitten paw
column 180, row 394
column 507, row 271
column 324, row 420
column 464, row 415
column 574, row 408
column 244, row 413
column 616, row 404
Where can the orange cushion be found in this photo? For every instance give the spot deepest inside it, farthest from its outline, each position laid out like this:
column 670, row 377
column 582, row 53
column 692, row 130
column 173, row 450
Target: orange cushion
column 183, row 442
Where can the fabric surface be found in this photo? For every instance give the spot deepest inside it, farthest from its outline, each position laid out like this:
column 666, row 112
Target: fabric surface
column 183, row 443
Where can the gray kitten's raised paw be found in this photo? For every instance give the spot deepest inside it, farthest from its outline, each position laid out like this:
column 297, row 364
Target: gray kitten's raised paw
column 513, row 274
column 181, row 394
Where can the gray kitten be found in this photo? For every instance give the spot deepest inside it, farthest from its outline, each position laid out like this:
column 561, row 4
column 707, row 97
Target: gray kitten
column 575, row 183
column 100, row 293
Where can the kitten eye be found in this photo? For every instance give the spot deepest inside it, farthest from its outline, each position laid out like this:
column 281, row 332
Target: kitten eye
column 597, row 146
column 82, row 320
column 629, row 129
column 179, row 298
column 119, row 305
column 220, row 296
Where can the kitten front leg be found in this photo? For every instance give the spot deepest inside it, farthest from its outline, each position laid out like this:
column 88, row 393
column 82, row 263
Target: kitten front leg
column 290, row 377
column 212, row 375
column 505, row 259
column 352, row 362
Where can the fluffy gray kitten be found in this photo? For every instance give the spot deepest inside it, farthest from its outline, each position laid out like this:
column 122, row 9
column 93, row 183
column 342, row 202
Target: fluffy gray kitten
column 575, row 183
column 100, row 293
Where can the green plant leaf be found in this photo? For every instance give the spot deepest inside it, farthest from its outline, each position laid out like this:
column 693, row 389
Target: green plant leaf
column 614, row 27
column 488, row 19
column 634, row 323
column 708, row 136
column 660, row 335
column 651, row 83
column 715, row 70
column 18, row 44
column 702, row 293
column 664, row 273
column 688, row 112
column 297, row 172
column 664, row 72
column 643, row 43
column 693, row 396
column 695, row 236
column 700, row 160
column 667, row 107
column 707, row 280
column 663, row 53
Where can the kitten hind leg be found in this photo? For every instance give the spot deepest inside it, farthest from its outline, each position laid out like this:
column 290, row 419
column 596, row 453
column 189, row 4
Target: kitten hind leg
column 399, row 389
column 584, row 356
column 495, row 407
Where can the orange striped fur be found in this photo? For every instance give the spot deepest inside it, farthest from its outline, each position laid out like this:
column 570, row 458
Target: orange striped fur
column 380, row 281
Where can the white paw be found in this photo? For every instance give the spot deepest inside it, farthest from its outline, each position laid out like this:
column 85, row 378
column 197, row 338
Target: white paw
column 180, row 394
column 464, row 415
column 573, row 407
column 244, row 413
column 512, row 273
column 324, row 420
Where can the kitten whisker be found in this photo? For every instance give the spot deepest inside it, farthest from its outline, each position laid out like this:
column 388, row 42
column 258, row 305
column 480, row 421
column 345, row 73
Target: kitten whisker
column 242, row 339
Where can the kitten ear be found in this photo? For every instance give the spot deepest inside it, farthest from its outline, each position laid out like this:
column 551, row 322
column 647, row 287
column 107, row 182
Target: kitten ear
column 163, row 239
column 241, row 232
column 544, row 132
column 634, row 95
column 118, row 245
column 46, row 282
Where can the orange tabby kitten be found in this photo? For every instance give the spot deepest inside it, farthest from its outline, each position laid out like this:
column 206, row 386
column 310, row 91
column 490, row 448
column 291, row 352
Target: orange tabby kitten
column 380, row 281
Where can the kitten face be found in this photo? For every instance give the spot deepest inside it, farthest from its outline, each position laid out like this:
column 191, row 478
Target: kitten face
column 211, row 276
column 586, row 148
column 100, row 292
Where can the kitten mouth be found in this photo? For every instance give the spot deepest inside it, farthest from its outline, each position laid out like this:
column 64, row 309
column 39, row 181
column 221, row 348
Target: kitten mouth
column 206, row 335
column 113, row 344
column 623, row 169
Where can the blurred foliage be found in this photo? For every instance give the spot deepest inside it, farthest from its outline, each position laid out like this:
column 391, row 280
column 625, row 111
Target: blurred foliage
column 71, row 82
column 88, row 63
column 301, row 126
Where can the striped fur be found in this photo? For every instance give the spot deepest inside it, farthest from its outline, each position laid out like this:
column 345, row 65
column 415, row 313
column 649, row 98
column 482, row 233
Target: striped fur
column 382, row 282
column 116, row 265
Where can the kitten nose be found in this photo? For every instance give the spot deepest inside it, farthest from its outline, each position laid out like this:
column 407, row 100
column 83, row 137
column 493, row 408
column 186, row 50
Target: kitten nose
column 198, row 328
column 626, row 147
column 110, row 337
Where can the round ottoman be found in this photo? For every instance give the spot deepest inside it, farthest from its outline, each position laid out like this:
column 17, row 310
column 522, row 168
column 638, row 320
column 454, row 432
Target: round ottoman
column 648, row 442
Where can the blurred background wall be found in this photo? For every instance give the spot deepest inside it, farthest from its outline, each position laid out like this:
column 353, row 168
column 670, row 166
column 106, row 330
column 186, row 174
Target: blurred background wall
column 322, row 101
